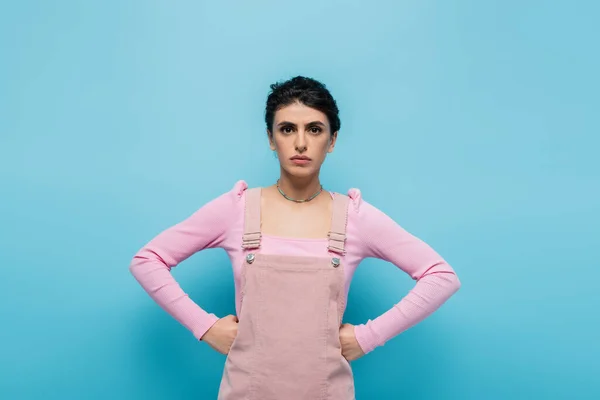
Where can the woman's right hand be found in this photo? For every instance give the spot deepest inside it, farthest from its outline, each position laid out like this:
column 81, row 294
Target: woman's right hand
column 220, row 336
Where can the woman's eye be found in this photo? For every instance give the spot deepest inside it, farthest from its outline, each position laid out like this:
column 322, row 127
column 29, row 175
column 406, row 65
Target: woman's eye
column 315, row 129
column 287, row 129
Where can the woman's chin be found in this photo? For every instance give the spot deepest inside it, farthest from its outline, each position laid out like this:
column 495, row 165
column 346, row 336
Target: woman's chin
column 300, row 171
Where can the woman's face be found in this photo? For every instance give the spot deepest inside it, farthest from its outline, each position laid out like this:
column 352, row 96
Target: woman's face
column 302, row 138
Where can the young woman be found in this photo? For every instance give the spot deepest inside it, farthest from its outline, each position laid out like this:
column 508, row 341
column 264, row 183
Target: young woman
column 294, row 247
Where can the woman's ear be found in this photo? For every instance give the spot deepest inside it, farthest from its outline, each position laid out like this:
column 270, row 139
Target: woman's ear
column 271, row 142
column 332, row 141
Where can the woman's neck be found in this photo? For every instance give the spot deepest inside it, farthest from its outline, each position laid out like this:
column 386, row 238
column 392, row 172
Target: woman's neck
column 299, row 188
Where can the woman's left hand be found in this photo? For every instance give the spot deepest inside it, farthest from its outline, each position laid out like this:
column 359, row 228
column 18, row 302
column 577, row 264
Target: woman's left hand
column 350, row 347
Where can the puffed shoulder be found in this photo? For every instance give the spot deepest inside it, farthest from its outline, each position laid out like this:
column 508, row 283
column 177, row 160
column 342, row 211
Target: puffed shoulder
column 239, row 188
column 355, row 198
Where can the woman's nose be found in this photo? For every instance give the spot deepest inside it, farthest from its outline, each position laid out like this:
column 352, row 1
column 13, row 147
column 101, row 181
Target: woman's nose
column 300, row 142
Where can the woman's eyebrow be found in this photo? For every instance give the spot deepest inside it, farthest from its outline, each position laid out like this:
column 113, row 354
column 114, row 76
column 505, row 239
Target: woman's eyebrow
column 285, row 123
column 282, row 123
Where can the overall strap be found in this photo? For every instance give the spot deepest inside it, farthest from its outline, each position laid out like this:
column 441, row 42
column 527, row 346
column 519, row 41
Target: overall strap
column 339, row 218
column 251, row 238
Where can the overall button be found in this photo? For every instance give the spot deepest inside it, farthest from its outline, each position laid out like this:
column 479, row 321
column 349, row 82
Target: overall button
column 335, row 262
column 250, row 258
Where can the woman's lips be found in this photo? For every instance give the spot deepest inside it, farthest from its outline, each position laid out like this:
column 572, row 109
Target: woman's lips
column 300, row 160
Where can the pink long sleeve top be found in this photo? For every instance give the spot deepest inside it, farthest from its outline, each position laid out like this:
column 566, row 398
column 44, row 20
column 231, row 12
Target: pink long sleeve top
column 370, row 233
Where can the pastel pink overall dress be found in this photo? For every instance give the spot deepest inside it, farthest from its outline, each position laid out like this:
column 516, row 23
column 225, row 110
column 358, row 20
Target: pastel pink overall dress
column 288, row 346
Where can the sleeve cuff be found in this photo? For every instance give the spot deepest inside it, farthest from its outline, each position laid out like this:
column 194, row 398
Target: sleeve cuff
column 366, row 338
column 203, row 326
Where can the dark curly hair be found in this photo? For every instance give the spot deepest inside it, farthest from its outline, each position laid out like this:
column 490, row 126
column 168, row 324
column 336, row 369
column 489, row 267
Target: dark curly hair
column 307, row 91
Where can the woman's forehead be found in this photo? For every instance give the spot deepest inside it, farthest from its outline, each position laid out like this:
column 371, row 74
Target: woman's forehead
column 299, row 113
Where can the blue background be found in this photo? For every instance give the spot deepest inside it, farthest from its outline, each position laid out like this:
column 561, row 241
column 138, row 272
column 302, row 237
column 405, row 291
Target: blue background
column 473, row 124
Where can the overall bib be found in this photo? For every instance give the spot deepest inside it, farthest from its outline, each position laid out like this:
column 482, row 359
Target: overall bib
column 287, row 346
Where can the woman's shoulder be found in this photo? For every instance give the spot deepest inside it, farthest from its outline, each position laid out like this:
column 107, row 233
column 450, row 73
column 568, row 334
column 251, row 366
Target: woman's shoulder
column 229, row 198
column 238, row 190
column 355, row 199
column 235, row 191
column 361, row 211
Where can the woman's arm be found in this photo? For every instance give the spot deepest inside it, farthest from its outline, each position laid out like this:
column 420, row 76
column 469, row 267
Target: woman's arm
column 151, row 266
column 436, row 281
